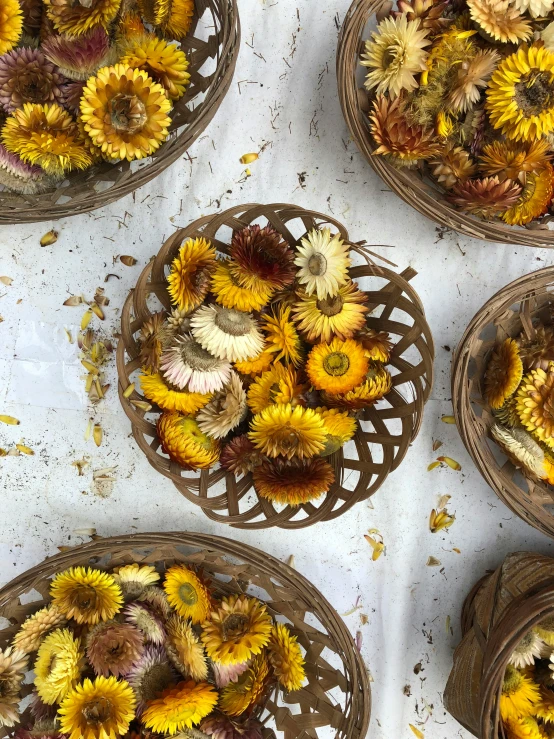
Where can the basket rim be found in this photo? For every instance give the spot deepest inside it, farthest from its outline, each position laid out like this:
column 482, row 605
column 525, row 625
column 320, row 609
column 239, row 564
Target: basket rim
column 517, row 291
column 418, row 378
column 39, row 207
column 409, row 188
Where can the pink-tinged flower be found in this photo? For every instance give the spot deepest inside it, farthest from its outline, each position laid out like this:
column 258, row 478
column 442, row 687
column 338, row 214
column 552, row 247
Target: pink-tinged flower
column 26, row 76
column 225, row 674
column 18, row 176
column 79, row 57
column 221, row 727
column 71, row 95
column 188, row 365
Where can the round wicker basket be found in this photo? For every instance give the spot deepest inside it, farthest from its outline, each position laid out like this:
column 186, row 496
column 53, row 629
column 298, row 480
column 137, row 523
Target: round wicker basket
column 497, row 613
column 389, row 427
column 507, row 313
column 413, row 186
column 337, row 693
column 212, row 58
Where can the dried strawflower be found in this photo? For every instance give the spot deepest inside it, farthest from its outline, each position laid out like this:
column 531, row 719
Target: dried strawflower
column 174, row 17
column 322, row 260
column 169, row 397
column 185, row 443
column 377, row 344
column 485, row 197
column 500, row 20
column 58, row 667
column 225, row 674
column 47, row 136
column 231, row 294
column 99, row 709
column 13, row 665
column 86, row 595
column 113, row 648
column 125, row 112
column 338, row 366
column 79, row 57
column 339, row 428
column 429, row 12
column 133, row 579
column 521, row 448
column 150, row 676
column 547, row 37
column 509, row 159
column 341, row 315
column 238, row 697
column 376, row 384
column 277, row 385
column 225, row 411
column 403, row 142
column 471, row 77
column 238, row 629
column 395, row 55
column 144, row 618
column 454, row 165
column 240, row 456
column 222, row 727
column 261, row 259
column 181, row 707
column 286, row 658
column 503, row 374
column 187, row 594
column 17, row 175
column 519, row 694
column 535, row 8
column 70, row 98
column 26, row 76
column 293, row 482
column 282, row 339
column 506, row 415
column 529, row 647
column 534, row 199
column 520, row 95
column 226, row 333
column 281, row 430
column 535, row 405
column 162, row 60
column 186, row 647
column 537, row 349
column 11, row 25
column 35, row 628
column 76, row 18
column 188, row 365
column 255, row 365
column 190, row 274
column 155, row 336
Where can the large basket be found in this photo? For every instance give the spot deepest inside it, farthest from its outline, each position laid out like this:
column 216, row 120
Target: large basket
column 497, row 613
column 390, row 427
column 212, row 46
column 412, row 186
column 506, row 314
column 337, row 692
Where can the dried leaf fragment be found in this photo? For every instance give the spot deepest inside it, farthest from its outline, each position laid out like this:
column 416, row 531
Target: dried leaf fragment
column 417, row 732
column 24, row 449
column 142, row 404
column 433, row 562
column 49, row 238
column 443, row 500
column 89, row 367
column 86, row 319
column 249, row 158
column 129, row 391
column 448, row 419
column 10, row 420
column 6, row 280
column 433, row 466
column 458, row 551
column 73, row 300
column 436, row 445
column 127, row 260
column 439, row 520
column 88, row 429
column 97, row 434
column 97, row 310
column 451, row 463
column 68, row 335
column 448, row 624
column 376, row 544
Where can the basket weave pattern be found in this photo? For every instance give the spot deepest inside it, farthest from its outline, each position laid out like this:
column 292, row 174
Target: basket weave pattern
column 497, row 613
column 378, row 448
column 506, row 314
column 102, row 184
column 336, row 697
column 412, row 186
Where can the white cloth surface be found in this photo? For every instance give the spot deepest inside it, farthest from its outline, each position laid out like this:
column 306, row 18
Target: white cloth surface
column 283, row 101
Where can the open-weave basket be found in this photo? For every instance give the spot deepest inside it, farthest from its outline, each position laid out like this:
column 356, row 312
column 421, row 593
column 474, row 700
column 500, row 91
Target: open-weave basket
column 497, row 613
column 390, row 426
column 336, row 699
column 507, row 313
column 412, row 185
column 211, row 46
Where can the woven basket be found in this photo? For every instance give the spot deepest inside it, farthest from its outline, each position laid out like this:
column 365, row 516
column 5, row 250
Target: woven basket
column 212, row 58
column 337, row 693
column 506, row 314
column 391, row 426
column 497, row 613
column 412, row 186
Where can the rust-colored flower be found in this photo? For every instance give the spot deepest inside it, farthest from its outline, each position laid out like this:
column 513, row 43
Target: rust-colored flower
column 429, row 12
column 509, row 159
column 537, row 351
column 485, row 197
column 454, row 165
column 240, row 456
column 293, row 482
column 403, row 142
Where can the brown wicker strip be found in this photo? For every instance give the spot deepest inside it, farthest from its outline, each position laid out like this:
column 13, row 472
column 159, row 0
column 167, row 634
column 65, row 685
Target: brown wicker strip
column 390, row 427
column 413, row 186
column 497, row 613
column 505, row 314
column 337, row 693
column 212, row 61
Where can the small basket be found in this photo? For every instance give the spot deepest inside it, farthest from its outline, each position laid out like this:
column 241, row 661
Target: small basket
column 212, row 56
column 391, row 426
column 413, row 186
column 497, row 613
column 506, row 314
column 337, row 693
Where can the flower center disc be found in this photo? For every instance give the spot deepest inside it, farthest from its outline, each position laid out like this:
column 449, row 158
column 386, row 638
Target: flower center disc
column 128, row 113
column 155, row 680
column 188, row 594
column 84, row 597
column 331, row 306
column 196, row 357
column 235, row 626
column 98, row 710
column 232, row 322
column 535, row 93
column 336, row 364
column 317, row 264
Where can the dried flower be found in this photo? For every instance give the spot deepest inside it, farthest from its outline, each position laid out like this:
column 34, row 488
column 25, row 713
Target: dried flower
column 281, row 430
column 70, row 98
column 187, row 365
column 535, row 405
column 191, row 272
column 76, row 19
column 261, row 259
column 226, row 333
column 471, row 77
column 240, row 456
column 186, row 647
column 162, row 61
column 35, row 628
column 13, row 665
column 79, row 57
column 521, row 448
column 225, row 411
column 500, row 20
column 113, row 648
column 174, row 17
column 222, row 727
column 503, row 374
column 535, row 8
column 537, row 350
column 11, row 25
column 145, row 619
column 322, row 260
column 19, row 176
column 86, row 595
column 534, row 199
column 454, row 165
column 99, row 709
column 429, row 12
column 58, row 667
column 286, row 658
column 293, row 482
column 185, row 443
column 150, row 676
column 236, row 698
column 485, row 197
column 509, row 159
column 181, row 707
column 134, row 579
column 26, row 76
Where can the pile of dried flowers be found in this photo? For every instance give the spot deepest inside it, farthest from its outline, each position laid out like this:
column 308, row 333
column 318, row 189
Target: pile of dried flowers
column 265, row 361
column 527, row 697
column 84, row 81
column 519, row 388
column 464, row 89
column 121, row 654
